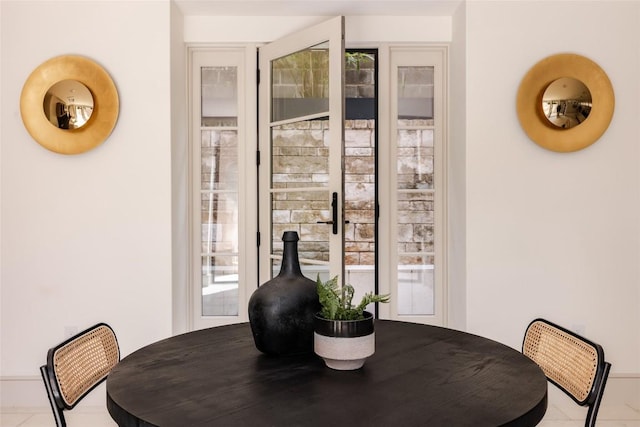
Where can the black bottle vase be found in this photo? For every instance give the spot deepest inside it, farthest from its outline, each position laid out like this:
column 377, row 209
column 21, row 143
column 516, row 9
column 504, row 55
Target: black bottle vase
column 282, row 310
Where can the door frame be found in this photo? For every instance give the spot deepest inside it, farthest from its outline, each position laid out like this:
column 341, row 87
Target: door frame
column 244, row 58
column 386, row 273
column 436, row 55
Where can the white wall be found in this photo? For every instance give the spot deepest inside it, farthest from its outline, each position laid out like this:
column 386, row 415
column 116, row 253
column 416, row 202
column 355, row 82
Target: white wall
column 550, row 234
column 358, row 29
column 86, row 238
column 180, row 174
column 456, row 179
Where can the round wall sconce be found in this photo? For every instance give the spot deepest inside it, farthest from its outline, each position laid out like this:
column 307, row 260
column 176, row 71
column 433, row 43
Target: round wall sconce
column 565, row 102
column 69, row 104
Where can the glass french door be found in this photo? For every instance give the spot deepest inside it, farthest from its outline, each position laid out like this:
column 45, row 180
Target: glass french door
column 365, row 192
column 413, row 197
column 224, row 211
column 301, row 149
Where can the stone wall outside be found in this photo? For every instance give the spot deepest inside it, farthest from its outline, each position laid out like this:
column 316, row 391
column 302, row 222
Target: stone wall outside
column 299, row 161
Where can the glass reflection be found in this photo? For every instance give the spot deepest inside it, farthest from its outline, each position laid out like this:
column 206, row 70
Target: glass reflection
column 68, row 104
column 300, row 83
column 566, row 102
column 415, row 191
column 415, row 92
column 219, row 180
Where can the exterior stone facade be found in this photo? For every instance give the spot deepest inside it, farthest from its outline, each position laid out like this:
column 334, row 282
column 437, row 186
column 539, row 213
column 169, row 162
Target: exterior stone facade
column 299, row 161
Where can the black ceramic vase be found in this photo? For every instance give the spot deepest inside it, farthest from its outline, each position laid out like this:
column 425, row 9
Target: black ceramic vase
column 282, row 310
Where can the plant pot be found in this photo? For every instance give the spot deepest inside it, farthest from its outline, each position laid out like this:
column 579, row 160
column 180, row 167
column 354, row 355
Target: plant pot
column 344, row 344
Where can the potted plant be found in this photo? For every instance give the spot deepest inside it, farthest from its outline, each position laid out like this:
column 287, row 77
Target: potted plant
column 344, row 335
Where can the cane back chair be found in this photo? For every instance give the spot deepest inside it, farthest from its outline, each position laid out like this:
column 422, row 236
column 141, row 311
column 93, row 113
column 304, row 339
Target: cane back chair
column 77, row 366
column 574, row 364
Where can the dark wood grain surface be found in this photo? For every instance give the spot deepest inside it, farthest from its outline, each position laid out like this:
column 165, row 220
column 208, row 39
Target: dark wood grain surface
column 419, row 376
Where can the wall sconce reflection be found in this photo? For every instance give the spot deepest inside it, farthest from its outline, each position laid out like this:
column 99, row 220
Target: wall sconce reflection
column 566, row 102
column 68, row 104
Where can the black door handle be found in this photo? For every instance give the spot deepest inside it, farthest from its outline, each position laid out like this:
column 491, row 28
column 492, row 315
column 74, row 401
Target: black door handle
column 334, row 206
column 334, row 209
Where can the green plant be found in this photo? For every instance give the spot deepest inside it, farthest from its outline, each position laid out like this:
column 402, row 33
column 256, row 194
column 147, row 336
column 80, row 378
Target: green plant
column 353, row 60
column 336, row 302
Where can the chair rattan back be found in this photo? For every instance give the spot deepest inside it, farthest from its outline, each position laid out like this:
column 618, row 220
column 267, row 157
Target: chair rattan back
column 77, row 366
column 571, row 362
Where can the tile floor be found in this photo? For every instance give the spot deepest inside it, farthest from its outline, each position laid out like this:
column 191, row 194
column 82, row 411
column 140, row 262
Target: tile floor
column 43, row 417
column 557, row 416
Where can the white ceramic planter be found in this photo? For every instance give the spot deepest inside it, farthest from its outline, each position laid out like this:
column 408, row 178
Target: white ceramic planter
column 344, row 344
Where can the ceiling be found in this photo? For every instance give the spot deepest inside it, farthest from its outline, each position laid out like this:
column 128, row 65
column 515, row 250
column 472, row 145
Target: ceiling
column 317, row 7
column 567, row 88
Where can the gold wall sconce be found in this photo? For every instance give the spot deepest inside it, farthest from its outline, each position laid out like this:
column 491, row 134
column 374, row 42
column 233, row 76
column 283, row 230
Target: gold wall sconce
column 69, row 104
column 565, row 102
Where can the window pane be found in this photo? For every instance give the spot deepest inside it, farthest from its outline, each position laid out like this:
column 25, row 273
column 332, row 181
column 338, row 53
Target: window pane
column 220, row 286
column 300, row 211
column 415, row 285
column 415, row 158
column 415, row 222
column 219, row 160
column 359, row 74
column 359, row 85
column 219, row 96
column 415, row 92
column 219, row 222
column 300, row 83
column 300, row 157
column 219, row 191
column 359, row 190
column 360, row 171
column 416, row 195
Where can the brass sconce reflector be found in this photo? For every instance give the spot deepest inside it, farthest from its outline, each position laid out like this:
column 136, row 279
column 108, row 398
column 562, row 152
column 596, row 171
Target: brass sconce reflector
column 69, row 104
column 565, row 122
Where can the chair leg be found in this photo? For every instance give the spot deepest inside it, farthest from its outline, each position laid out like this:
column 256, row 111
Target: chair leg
column 593, row 408
column 57, row 412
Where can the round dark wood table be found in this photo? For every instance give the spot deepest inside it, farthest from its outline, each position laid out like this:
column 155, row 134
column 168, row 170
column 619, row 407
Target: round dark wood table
column 419, row 376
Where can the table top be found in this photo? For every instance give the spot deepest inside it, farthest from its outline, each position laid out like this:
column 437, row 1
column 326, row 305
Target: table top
column 419, row 375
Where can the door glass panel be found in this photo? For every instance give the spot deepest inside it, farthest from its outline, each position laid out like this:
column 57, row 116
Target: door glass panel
column 219, row 96
column 415, row 198
column 415, row 285
column 220, row 286
column 299, row 155
column 300, row 211
column 300, row 83
column 360, row 171
column 299, row 160
column 415, row 155
column 301, row 134
column 219, row 191
column 415, row 222
column 415, row 92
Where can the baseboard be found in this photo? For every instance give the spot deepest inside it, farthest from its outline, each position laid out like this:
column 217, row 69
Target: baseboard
column 18, row 392
column 623, row 389
column 29, row 392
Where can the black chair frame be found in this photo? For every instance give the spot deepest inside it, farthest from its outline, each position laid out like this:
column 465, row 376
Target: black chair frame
column 602, row 368
column 50, row 378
